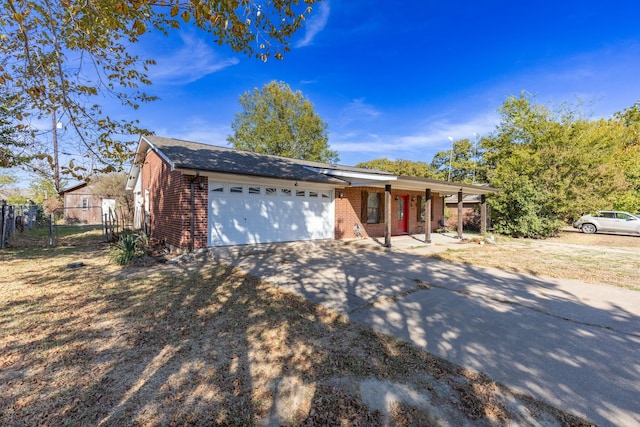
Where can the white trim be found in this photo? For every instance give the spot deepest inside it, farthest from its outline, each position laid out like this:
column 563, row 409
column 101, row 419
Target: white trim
column 133, row 178
column 158, row 152
column 354, row 175
column 441, row 187
column 375, row 184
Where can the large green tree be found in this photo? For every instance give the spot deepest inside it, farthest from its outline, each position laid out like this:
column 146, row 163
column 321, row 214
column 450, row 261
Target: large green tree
column 400, row 167
column 551, row 166
column 62, row 57
column 276, row 120
column 627, row 123
column 461, row 163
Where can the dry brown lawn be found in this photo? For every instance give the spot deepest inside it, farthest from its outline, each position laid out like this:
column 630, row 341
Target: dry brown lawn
column 204, row 344
column 593, row 258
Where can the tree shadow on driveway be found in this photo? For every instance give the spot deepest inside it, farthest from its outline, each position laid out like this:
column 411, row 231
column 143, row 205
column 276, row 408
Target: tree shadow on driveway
column 568, row 343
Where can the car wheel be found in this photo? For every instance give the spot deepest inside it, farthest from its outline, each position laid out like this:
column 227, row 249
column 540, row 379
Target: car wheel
column 588, row 228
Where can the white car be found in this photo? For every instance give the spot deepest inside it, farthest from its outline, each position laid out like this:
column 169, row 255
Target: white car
column 609, row 222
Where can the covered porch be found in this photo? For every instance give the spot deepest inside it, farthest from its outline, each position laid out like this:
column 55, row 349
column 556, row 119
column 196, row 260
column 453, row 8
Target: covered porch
column 444, row 189
column 381, row 206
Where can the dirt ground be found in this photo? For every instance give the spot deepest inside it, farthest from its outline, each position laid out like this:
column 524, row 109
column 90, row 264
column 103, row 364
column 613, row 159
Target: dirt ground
column 200, row 343
column 574, row 236
column 593, row 258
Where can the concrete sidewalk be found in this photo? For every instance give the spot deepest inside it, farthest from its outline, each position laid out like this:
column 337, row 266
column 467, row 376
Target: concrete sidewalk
column 415, row 243
column 570, row 344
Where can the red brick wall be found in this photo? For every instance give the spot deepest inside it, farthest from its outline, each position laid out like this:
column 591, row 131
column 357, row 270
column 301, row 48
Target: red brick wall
column 348, row 213
column 73, row 211
column 470, row 216
column 170, row 204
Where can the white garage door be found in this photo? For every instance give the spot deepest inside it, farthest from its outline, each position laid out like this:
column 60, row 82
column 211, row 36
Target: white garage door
column 242, row 214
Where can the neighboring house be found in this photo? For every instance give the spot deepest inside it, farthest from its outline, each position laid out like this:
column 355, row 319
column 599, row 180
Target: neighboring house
column 83, row 205
column 191, row 195
column 471, row 207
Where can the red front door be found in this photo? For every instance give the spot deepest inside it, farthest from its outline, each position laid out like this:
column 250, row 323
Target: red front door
column 403, row 214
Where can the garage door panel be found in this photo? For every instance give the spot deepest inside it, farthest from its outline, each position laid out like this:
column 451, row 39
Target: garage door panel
column 243, row 218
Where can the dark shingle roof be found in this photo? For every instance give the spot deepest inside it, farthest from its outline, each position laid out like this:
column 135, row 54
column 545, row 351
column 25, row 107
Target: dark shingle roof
column 204, row 157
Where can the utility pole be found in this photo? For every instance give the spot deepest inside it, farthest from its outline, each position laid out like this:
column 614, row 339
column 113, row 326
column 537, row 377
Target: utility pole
column 56, row 164
column 475, row 157
column 450, row 159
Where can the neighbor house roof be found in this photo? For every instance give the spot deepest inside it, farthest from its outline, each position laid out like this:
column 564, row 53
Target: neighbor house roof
column 197, row 157
column 466, row 198
column 73, row 188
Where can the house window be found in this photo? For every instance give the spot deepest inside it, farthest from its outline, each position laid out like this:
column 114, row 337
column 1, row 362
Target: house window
column 271, row 191
column 235, row 190
column 254, row 190
column 285, row 192
column 373, row 208
column 325, row 194
column 313, row 194
column 85, row 204
column 217, row 189
column 300, row 193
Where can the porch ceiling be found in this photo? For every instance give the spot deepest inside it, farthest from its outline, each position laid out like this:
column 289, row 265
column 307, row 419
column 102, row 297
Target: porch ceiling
column 442, row 187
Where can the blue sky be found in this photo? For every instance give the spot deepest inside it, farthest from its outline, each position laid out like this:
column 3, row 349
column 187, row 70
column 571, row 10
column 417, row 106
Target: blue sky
column 396, row 79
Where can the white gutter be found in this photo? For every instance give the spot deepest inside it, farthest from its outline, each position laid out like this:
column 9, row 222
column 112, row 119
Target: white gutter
column 354, row 175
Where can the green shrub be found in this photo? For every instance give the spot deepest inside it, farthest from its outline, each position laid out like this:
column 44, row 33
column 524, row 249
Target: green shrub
column 523, row 209
column 129, row 247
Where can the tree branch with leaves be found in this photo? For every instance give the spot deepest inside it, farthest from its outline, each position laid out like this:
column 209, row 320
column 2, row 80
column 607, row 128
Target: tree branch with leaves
column 61, row 58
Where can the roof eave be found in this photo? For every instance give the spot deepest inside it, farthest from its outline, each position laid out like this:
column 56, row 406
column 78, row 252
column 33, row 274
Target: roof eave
column 334, row 183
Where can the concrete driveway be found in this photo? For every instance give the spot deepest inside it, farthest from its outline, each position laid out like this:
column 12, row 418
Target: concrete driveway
column 573, row 345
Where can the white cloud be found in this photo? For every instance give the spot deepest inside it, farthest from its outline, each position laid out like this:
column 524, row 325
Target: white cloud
column 357, row 111
column 193, row 60
column 438, row 131
column 355, row 146
column 315, row 24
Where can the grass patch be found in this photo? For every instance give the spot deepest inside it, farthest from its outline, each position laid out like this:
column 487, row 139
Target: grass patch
column 204, row 344
column 599, row 259
column 62, row 235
